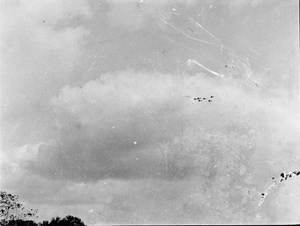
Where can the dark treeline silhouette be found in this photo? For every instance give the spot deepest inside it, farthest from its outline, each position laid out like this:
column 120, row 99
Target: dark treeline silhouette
column 57, row 221
column 13, row 213
column 68, row 220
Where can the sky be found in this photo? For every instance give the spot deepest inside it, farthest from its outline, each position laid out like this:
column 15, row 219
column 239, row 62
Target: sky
column 100, row 117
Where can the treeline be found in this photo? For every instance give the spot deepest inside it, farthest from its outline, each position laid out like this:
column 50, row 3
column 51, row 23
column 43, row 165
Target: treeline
column 13, row 213
column 66, row 221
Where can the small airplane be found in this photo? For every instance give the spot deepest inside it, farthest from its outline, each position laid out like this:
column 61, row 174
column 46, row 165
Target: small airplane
column 199, row 99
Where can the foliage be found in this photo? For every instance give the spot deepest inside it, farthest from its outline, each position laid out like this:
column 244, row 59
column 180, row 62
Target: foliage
column 11, row 210
column 66, row 221
column 21, row 223
column 12, row 213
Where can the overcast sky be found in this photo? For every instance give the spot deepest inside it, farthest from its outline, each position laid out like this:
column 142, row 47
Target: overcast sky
column 93, row 93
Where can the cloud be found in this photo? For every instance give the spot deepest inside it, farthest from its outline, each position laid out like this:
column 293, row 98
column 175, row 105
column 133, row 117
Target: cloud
column 26, row 152
column 107, row 123
column 132, row 145
column 40, row 45
column 112, row 127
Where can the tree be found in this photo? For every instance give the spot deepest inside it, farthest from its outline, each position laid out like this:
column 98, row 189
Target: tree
column 66, row 221
column 55, row 221
column 12, row 211
column 74, row 221
column 21, row 223
column 44, row 223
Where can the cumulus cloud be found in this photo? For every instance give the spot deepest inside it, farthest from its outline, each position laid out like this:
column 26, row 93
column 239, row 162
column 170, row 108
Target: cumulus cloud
column 112, row 127
column 109, row 122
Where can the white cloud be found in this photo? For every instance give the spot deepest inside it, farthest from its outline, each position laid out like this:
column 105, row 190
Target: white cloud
column 98, row 124
column 26, row 152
